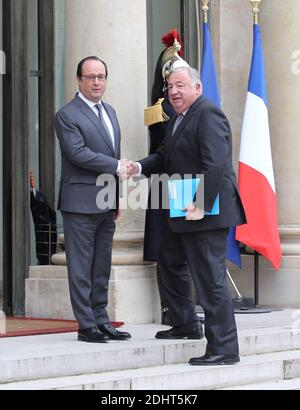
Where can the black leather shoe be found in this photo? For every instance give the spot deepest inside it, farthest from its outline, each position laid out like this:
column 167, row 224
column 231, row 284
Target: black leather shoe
column 91, row 335
column 113, row 334
column 214, row 359
column 193, row 331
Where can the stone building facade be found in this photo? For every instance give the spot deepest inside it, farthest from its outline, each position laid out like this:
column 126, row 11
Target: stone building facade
column 126, row 33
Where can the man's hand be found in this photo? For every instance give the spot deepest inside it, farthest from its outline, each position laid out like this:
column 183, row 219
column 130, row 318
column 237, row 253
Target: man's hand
column 193, row 213
column 123, row 169
column 128, row 169
column 132, row 168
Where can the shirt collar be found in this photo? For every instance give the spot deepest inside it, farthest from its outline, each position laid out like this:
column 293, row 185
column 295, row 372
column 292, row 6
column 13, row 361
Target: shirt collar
column 183, row 113
column 88, row 102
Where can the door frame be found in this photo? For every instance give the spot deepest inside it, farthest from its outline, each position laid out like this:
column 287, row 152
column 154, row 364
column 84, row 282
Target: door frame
column 15, row 149
column 47, row 99
column 16, row 207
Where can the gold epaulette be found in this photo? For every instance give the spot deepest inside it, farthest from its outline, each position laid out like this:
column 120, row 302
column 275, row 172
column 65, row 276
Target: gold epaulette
column 155, row 114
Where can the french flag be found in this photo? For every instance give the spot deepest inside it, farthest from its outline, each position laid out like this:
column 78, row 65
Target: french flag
column 211, row 92
column 256, row 177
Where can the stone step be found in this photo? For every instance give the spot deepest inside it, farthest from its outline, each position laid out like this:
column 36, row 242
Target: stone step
column 120, row 256
column 47, row 288
column 117, row 272
column 48, row 356
column 262, row 368
column 293, row 384
column 132, row 295
column 127, row 249
column 120, row 237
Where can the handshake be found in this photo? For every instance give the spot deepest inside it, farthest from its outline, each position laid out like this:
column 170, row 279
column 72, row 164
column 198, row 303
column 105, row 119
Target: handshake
column 128, row 169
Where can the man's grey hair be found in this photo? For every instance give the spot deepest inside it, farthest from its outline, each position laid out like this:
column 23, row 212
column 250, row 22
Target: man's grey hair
column 193, row 73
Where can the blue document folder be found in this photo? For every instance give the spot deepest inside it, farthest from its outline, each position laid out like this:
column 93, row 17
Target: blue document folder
column 182, row 193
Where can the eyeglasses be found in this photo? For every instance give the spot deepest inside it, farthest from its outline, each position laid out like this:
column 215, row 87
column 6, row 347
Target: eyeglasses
column 100, row 77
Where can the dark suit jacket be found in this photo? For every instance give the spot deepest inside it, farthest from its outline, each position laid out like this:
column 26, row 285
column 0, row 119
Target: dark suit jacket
column 201, row 145
column 86, row 153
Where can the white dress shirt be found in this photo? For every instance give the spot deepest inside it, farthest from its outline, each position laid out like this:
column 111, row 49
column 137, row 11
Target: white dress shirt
column 106, row 118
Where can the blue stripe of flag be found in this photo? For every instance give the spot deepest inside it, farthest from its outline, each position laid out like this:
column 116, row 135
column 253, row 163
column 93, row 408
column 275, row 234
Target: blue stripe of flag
column 211, row 92
column 257, row 80
column 208, row 71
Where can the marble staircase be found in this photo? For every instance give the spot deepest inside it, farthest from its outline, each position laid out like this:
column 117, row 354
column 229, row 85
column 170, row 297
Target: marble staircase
column 269, row 347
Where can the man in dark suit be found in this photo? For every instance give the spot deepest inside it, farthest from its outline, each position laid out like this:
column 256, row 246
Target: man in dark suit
column 89, row 137
column 198, row 141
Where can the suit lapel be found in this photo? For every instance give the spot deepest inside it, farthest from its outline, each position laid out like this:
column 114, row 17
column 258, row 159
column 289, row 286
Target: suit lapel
column 115, row 125
column 88, row 112
column 172, row 139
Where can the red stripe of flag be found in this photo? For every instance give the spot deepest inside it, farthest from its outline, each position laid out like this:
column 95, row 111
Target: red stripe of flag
column 260, row 203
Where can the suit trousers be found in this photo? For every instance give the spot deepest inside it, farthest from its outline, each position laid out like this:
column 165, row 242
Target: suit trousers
column 88, row 244
column 205, row 253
